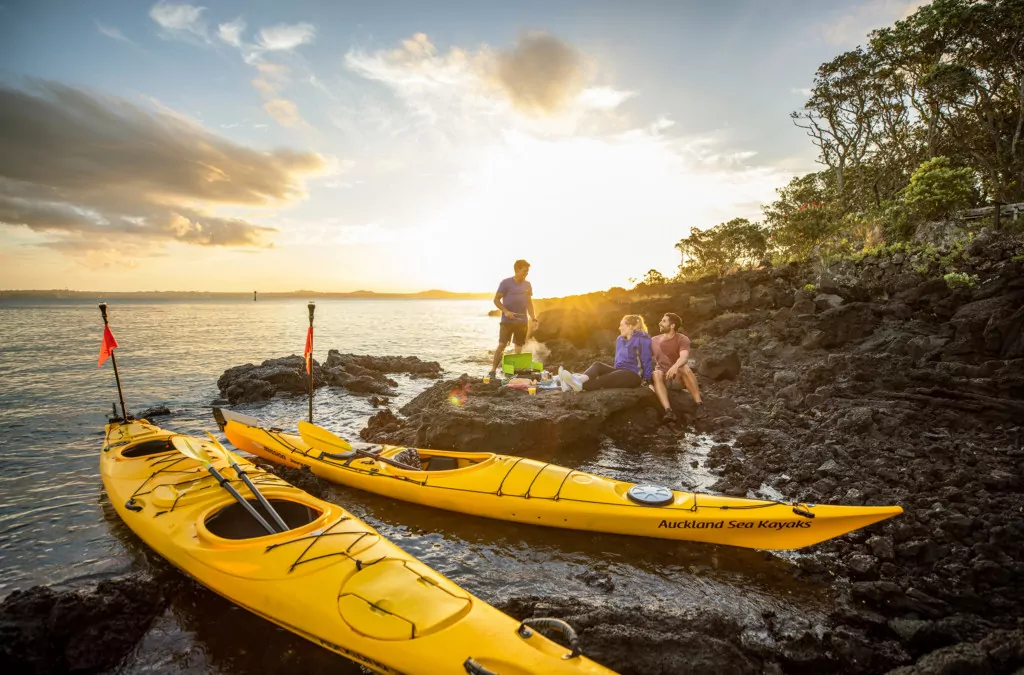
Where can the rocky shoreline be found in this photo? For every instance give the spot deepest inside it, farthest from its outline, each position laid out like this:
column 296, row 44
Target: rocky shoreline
column 870, row 382
column 864, row 382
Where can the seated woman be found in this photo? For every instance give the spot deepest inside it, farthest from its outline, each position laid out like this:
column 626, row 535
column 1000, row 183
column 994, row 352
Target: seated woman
column 633, row 362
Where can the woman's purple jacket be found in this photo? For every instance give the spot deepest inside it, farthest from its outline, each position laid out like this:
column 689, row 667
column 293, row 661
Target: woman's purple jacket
column 635, row 354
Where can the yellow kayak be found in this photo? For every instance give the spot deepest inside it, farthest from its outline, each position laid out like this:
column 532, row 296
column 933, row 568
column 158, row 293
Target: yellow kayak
column 324, row 574
column 528, row 491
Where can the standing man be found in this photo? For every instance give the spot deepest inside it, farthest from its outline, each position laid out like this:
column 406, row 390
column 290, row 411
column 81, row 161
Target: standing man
column 671, row 352
column 515, row 300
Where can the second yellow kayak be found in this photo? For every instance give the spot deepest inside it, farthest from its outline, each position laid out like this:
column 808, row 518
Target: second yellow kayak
column 528, row 491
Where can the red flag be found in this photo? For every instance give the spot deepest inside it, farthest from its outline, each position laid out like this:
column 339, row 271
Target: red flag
column 107, row 348
column 308, row 354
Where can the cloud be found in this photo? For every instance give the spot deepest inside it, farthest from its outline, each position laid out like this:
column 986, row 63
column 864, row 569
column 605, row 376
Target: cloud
column 84, row 166
column 273, row 78
column 180, row 20
column 285, row 112
column 541, row 76
column 112, row 32
column 853, row 27
column 603, row 98
column 285, row 37
column 321, row 86
column 231, row 32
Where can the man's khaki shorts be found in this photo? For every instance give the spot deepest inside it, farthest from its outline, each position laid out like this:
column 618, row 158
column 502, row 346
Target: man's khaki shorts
column 676, row 383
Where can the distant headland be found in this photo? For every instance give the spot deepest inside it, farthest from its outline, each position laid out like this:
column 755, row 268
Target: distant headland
column 58, row 294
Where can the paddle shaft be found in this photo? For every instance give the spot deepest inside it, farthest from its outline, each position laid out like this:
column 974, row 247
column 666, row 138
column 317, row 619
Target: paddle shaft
column 113, row 360
column 224, row 483
column 240, row 472
column 259, row 495
column 387, row 460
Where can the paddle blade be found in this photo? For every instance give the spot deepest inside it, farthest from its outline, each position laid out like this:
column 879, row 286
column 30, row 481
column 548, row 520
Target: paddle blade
column 218, row 449
column 322, row 439
column 192, row 448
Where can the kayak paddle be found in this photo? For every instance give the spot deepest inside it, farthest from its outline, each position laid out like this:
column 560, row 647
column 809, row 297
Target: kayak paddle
column 193, row 450
column 220, row 450
column 319, row 438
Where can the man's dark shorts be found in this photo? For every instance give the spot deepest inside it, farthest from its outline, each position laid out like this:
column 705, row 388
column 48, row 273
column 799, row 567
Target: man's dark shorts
column 515, row 331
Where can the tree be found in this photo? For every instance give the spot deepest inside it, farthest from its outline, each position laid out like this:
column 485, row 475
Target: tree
column 736, row 243
column 804, row 215
column 937, row 189
column 836, row 116
column 654, row 278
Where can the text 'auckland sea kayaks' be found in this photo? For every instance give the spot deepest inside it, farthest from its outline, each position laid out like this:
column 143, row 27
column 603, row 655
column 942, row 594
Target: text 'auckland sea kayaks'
column 310, row 566
column 529, row 491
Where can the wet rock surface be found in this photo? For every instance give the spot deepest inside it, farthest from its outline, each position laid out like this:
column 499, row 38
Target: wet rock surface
column 493, row 418
column 155, row 411
column 358, row 373
column 46, row 631
column 891, row 389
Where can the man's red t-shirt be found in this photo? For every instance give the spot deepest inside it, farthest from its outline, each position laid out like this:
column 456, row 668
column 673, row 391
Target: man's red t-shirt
column 666, row 349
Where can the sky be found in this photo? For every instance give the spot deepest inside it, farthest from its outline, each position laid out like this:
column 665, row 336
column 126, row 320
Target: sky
column 395, row 146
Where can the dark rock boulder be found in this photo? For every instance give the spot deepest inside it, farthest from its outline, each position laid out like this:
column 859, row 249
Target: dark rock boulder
column 382, row 364
column 702, row 305
column 718, row 363
column 1000, row 652
column 45, row 631
column 992, row 326
column 734, row 292
column 464, row 414
column 155, row 411
column 726, row 323
column 249, row 383
column 846, row 323
column 360, row 374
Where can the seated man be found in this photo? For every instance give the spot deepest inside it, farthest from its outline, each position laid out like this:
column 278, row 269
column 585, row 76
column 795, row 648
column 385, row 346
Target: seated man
column 671, row 352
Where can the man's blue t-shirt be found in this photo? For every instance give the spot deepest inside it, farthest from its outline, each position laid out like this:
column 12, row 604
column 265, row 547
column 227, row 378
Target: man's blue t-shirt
column 514, row 296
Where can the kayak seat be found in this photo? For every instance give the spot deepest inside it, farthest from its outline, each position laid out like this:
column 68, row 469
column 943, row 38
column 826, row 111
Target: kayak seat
column 442, row 464
column 409, row 457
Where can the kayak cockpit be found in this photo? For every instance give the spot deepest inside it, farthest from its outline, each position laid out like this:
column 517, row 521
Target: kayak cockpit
column 147, row 448
column 232, row 521
column 435, row 461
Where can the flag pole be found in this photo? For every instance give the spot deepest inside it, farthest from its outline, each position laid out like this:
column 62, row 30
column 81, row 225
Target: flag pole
column 113, row 359
column 312, row 307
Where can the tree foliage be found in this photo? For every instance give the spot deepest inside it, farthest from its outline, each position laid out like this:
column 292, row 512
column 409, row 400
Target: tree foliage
column 924, row 120
column 736, row 243
column 946, row 81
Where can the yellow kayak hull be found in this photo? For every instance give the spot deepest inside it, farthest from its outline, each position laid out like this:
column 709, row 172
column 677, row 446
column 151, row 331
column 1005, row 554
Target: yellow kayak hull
column 528, row 491
column 330, row 578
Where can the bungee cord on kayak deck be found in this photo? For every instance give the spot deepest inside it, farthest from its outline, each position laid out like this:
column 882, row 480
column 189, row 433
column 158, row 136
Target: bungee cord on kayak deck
column 523, row 490
column 277, row 434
